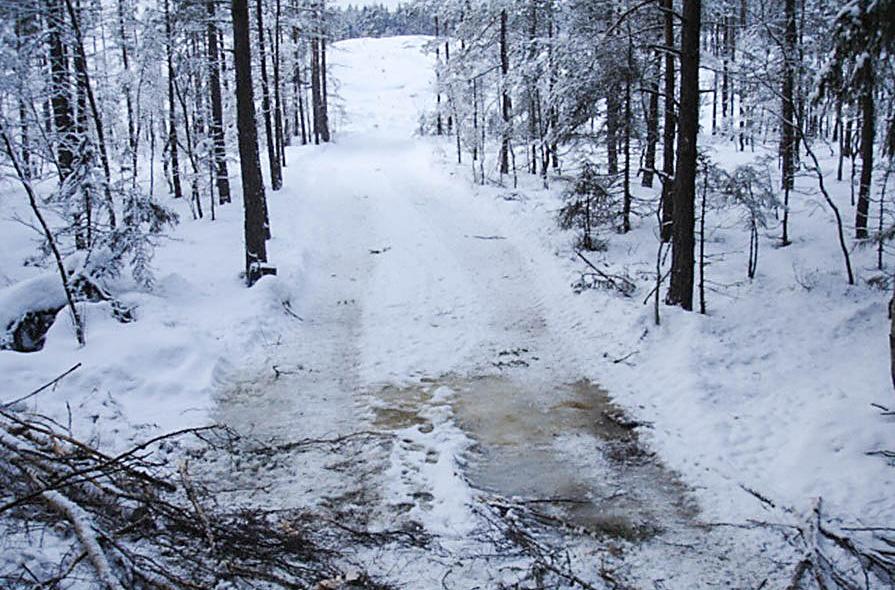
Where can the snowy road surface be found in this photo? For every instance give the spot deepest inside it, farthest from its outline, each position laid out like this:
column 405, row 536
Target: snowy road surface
column 436, row 325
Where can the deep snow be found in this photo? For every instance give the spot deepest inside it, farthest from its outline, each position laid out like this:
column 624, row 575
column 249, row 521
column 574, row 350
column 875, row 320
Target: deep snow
column 411, row 284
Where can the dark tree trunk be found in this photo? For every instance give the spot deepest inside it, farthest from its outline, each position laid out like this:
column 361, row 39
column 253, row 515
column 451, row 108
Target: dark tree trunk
column 324, row 103
column 298, row 90
column 222, row 175
column 668, row 132
column 626, row 138
column 80, row 89
column 447, row 59
column 128, row 93
column 652, row 128
column 439, row 128
column 505, row 96
column 683, row 242
column 252, row 181
column 23, row 30
column 277, row 98
column 172, row 105
column 626, row 148
column 612, row 109
column 725, row 75
column 534, row 106
column 276, row 173
column 63, row 120
column 316, row 97
column 83, row 80
column 788, row 139
column 868, row 131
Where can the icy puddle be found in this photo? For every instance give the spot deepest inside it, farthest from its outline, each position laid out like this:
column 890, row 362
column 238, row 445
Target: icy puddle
column 564, row 450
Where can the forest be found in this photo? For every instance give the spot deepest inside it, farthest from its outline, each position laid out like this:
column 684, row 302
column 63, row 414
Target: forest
column 459, row 294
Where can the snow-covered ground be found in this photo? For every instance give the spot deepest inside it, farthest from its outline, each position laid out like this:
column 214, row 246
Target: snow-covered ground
column 413, row 304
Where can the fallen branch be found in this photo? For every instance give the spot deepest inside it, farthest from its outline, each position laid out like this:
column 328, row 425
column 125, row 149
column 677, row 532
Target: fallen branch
column 134, row 520
column 623, row 285
column 42, row 387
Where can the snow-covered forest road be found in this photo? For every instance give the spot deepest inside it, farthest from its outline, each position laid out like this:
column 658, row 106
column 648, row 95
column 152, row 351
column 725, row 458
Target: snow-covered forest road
column 440, row 390
column 441, row 330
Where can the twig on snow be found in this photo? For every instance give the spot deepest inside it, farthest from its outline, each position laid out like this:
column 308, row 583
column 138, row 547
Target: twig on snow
column 42, row 387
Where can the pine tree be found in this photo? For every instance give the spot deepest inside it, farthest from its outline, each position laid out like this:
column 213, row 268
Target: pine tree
column 683, row 237
column 255, row 225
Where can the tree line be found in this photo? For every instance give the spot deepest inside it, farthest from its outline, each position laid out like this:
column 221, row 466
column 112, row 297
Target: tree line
column 377, row 20
column 620, row 92
column 107, row 106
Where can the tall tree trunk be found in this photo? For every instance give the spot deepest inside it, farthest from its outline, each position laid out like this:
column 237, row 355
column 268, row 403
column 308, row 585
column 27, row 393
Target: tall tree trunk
column 277, row 97
column 725, row 74
column 439, row 128
column 128, row 92
column 788, row 139
column 868, row 132
column 255, row 225
column 222, row 175
column 280, row 102
column 316, row 97
column 172, row 105
column 276, row 173
column 298, row 89
column 626, row 138
column 447, row 60
column 83, row 80
column 652, row 127
column 24, row 29
column 534, row 106
column 683, row 241
column 612, row 128
column 80, row 88
column 324, row 103
column 505, row 95
column 63, row 119
column 668, row 131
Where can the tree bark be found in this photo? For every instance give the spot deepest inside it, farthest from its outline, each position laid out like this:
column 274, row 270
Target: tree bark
column 868, row 132
column 612, row 109
column 298, row 89
column 668, row 131
column 626, row 138
column 128, row 93
column 172, row 105
column 83, row 80
column 255, row 223
column 683, row 242
column 652, row 128
column 324, row 103
column 277, row 95
column 276, row 173
column 60, row 100
column 222, row 175
column 316, row 97
column 505, row 95
column 439, row 127
column 788, row 139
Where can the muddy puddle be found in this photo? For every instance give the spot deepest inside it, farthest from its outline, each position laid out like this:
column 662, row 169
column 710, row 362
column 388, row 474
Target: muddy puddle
column 565, row 450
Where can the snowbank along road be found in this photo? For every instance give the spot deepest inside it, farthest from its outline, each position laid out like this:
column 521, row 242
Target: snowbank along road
column 434, row 352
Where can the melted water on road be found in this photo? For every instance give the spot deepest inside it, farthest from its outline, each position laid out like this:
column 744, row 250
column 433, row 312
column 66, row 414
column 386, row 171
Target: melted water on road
column 564, row 449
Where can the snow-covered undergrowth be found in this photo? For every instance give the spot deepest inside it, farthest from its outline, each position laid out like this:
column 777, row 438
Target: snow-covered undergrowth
column 195, row 325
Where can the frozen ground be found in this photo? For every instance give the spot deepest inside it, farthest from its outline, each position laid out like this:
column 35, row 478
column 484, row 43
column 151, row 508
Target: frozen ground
column 437, row 318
